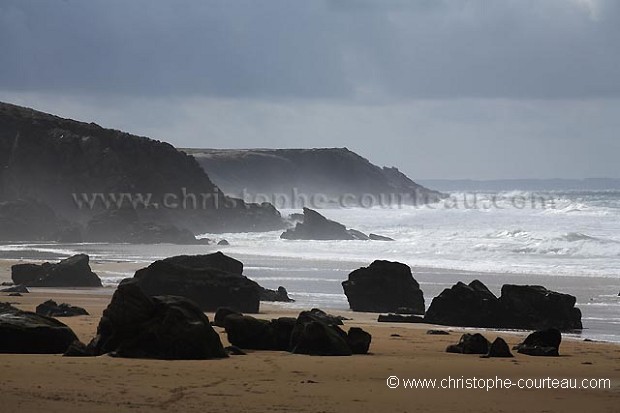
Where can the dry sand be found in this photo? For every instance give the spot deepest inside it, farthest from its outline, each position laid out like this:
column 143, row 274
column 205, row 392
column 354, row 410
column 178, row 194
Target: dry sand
column 264, row 381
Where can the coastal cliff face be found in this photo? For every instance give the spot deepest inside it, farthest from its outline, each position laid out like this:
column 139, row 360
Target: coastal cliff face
column 54, row 161
column 329, row 172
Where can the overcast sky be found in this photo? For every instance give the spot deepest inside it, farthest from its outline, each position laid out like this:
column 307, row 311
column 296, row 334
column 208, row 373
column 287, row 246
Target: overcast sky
column 440, row 89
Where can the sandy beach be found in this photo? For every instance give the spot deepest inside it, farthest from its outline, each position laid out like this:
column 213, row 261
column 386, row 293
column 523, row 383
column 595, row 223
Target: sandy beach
column 277, row 381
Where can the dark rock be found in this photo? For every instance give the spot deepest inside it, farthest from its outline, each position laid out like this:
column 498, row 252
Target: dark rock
column 323, row 317
column 519, row 307
column 470, row 344
column 221, row 314
column 316, row 227
column 358, row 340
column 541, row 343
column 223, row 242
column 499, row 348
column 211, row 281
column 376, row 237
column 15, row 289
column 313, row 336
column 235, row 351
column 125, row 225
column 438, row 332
column 70, row 272
column 383, row 286
column 51, row 309
column 279, row 295
column 135, row 325
column 78, row 349
column 400, row 318
column 23, row 332
column 533, row 307
column 15, row 295
column 463, row 305
column 27, row 220
column 247, row 332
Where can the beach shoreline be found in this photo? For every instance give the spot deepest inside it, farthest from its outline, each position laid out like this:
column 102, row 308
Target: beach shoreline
column 278, row 381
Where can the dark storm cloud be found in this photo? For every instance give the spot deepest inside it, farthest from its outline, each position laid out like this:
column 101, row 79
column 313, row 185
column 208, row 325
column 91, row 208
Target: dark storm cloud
column 342, row 49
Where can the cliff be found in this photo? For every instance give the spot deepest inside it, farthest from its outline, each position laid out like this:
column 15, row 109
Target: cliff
column 333, row 175
column 82, row 170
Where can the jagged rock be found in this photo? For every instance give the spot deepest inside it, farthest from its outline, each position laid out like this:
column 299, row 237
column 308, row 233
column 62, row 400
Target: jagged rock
column 51, row 309
column 316, row 227
column 70, row 272
column 279, row 295
column 211, row 281
column 533, row 307
column 223, row 242
column 15, row 289
column 376, row 237
column 499, row 348
column 24, row 332
column 470, row 344
column 135, row 325
column 383, row 286
column 541, row 343
column 358, row 340
column 313, row 336
column 463, row 305
column 221, row 314
column 400, row 318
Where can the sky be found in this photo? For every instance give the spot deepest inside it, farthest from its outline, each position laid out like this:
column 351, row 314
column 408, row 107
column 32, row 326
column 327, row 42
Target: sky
column 439, row 88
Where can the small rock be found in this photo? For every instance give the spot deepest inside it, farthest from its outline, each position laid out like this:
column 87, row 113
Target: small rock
column 499, row 348
column 470, row 344
column 437, row 332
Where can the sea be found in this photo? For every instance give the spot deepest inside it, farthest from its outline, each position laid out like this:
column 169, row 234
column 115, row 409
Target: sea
column 567, row 241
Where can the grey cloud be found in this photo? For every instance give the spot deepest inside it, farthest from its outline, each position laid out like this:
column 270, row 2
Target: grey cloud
column 332, row 49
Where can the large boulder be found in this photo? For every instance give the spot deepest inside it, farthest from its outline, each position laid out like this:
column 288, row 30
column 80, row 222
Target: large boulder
column 519, row 306
column 541, row 343
column 533, row 307
column 51, row 309
column 135, row 325
column 316, row 227
column 470, row 344
column 499, row 348
column 211, row 281
column 312, row 335
column 383, row 286
column 464, row 305
column 71, row 272
column 25, row 332
column 247, row 332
